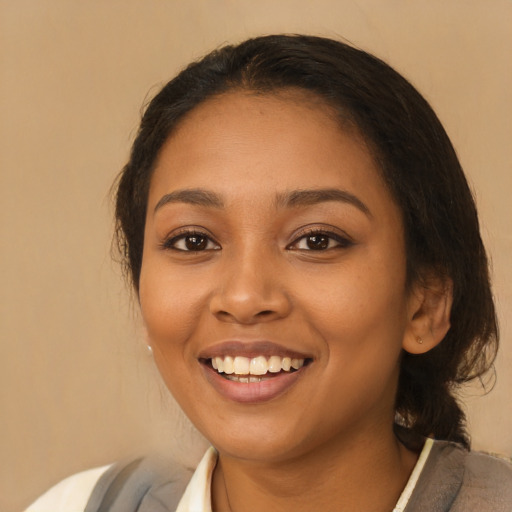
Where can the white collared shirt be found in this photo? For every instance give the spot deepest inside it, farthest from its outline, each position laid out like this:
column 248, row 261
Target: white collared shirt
column 69, row 495
column 197, row 497
column 72, row 494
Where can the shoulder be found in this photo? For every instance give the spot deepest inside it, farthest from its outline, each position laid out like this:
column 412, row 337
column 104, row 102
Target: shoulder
column 69, row 494
column 486, row 484
column 142, row 484
column 463, row 481
column 147, row 484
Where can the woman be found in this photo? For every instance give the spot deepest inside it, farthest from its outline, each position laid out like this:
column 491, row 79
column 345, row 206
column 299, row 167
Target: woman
column 306, row 254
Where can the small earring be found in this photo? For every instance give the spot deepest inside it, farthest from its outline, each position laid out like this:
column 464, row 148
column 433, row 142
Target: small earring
column 419, row 340
column 150, row 349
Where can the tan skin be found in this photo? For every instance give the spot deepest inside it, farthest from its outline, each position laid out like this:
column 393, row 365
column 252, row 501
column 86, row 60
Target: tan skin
column 322, row 275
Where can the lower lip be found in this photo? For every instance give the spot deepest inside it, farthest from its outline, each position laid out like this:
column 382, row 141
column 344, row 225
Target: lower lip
column 252, row 392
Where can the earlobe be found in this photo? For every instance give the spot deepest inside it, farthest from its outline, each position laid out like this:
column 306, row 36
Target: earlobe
column 147, row 341
column 429, row 312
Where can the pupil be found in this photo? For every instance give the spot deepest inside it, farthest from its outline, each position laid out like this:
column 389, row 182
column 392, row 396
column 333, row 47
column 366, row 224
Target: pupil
column 195, row 242
column 317, row 242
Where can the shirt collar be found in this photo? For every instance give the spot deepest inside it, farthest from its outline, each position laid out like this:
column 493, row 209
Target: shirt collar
column 197, row 497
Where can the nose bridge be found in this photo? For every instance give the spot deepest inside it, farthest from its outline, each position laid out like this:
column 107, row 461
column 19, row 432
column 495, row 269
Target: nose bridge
column 250, row 289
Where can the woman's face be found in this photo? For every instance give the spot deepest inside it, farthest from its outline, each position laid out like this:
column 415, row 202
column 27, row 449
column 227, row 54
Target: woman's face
column 272, row 240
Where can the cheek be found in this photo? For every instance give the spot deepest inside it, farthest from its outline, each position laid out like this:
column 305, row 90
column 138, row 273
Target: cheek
column 168, row 317
column 366, row 297
column 362, row 326
column 170, row 304
column 362, row 317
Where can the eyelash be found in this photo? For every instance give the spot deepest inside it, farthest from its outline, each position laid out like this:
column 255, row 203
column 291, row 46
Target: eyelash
column 329, row 236
column 342, row 241
column 170, row 243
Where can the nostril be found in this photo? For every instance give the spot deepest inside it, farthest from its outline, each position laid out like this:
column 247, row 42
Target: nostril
column 267, row 312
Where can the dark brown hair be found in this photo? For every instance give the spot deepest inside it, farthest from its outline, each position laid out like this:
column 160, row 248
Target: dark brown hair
column 418, row 163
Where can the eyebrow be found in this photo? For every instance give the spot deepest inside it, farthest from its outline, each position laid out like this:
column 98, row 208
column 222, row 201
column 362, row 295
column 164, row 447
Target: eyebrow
column 311, row 197
column 292, row 199
column 195, row 196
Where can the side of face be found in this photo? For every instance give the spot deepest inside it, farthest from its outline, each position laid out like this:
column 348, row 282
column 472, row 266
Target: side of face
column 270, row 234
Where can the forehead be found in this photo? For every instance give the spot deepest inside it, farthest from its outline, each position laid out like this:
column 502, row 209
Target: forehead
column 243, row 141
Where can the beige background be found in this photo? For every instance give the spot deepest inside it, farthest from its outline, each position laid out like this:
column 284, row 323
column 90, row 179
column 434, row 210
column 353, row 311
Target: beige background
column 77, row 389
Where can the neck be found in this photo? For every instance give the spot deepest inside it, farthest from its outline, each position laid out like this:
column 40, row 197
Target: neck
column 366, row 474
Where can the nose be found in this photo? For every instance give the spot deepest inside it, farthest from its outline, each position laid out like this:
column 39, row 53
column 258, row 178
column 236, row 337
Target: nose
column 250, row 291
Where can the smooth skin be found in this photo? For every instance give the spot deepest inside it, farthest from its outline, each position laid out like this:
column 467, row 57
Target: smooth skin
column 252, row 257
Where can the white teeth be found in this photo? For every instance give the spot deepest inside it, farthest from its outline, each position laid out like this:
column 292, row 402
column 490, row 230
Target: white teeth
column 254, row 366
column 251, row 379
column 229, row 366
column 274, row 364
column 259, row 366
column 296, row 363
column 242, row 365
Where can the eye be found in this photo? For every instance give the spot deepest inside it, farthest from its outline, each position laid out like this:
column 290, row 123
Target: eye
column 191, row 241
column 320, row 241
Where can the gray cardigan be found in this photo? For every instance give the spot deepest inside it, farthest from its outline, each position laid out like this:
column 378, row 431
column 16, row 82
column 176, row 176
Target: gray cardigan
column 452, row 480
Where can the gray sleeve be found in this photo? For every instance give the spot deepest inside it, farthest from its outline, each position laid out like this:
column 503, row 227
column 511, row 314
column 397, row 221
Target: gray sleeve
column 455, row 480
column 486, row 485
column 142, row 485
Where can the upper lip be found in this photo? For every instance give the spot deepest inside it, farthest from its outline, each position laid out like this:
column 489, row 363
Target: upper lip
column 250, row 349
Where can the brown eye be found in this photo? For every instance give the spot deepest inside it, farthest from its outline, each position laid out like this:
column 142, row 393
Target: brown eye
column 191, row 242
column 196, row 242
column 317, row 242
column 320, row 241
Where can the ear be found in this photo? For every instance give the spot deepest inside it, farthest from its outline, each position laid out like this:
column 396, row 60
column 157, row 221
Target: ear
column 147, row 341
column 429, row 309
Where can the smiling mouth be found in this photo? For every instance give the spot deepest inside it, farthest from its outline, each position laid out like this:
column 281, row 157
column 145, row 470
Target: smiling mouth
column 256, row 369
